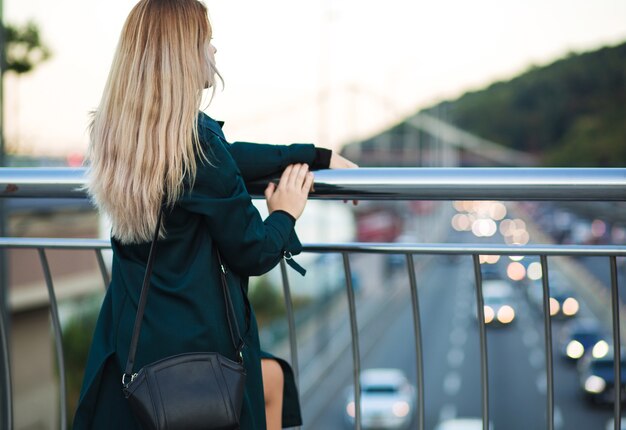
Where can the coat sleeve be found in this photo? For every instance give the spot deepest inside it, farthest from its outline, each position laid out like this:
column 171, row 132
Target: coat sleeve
column 258, row 160
column 250, row 245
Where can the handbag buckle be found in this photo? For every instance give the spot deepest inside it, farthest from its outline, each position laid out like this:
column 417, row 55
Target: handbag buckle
column 132, row 378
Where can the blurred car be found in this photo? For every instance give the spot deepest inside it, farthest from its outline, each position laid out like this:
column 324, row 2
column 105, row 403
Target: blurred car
column 579, row 336
column 499, row 299
column 462, row 424
column 387, row 400
column 597, row 377
column 563, row 302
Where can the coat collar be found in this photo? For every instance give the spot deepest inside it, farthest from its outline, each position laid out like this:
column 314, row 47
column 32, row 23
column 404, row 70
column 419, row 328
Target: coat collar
column 213, row 125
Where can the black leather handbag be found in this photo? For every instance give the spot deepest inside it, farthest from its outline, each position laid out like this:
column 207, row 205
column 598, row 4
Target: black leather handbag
column 197, row 390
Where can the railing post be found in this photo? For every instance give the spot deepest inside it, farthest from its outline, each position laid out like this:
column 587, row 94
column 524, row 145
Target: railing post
column 6, row 407
column 6, row 404
column 548, row 341
column 419, row 362
column 293, row 346
column 617, row 360
column 480, row 304
column 58, row 336
column 103, row 269
column 356, row 354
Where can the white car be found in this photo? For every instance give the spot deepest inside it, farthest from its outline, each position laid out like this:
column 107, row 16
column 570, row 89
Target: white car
column 387, row 400
column 462, row 424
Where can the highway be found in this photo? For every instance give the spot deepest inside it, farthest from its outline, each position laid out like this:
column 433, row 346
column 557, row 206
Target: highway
column 516, row 355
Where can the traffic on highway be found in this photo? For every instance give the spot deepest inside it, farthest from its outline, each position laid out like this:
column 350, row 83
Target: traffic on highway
column 513, row 315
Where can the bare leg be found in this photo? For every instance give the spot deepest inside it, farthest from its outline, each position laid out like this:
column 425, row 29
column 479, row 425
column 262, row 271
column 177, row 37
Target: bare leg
column 273, row 390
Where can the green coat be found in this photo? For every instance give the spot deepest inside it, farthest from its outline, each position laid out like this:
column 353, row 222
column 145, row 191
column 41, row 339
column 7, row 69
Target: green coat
column 185, row 309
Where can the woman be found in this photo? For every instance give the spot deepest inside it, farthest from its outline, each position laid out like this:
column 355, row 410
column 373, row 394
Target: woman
column 150, row 144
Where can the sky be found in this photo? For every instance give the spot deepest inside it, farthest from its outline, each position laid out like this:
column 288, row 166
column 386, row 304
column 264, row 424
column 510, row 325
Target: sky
column 325, row 71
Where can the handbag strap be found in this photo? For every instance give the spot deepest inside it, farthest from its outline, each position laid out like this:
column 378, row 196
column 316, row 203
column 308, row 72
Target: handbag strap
column 143, row 298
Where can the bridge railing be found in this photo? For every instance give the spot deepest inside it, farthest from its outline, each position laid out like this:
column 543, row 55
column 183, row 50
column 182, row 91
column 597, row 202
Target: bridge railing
column 367, row 184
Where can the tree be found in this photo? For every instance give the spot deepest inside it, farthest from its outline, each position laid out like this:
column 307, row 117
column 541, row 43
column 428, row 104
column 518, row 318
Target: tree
column 24, row 48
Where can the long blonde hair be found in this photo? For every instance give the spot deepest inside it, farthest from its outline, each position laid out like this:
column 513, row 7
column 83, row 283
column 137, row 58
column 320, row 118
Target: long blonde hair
column 144, row 132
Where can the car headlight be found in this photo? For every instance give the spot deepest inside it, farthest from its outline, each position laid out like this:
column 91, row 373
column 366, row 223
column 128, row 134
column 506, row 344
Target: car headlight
column 570, row 306
column 575, row 349
column 594, row 384
column 401, row 409
column 489, row 314
column 554, row 306
column 600, row 349
column 506, row 314
column 350, row 409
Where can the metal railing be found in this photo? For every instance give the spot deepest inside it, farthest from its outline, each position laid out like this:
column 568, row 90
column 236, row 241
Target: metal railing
column 374, row 184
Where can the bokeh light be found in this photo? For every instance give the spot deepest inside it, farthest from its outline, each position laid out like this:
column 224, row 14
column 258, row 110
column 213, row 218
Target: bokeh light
column 506, row 314
column 534, row 271
column 598, row 228
column 484, row 227
column 516, row 271
column 489, row 259
column 600, row 349
column 575, row 349
column 489, row 314
column 506, row 226
column 570, row 306
column 497, row 211
column 554, row 306
column 461, row 222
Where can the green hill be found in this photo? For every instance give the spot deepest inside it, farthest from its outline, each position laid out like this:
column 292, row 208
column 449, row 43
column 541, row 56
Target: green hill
column 569, row 113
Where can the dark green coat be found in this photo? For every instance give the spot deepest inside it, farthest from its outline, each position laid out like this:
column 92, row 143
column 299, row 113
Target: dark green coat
column 185, row 309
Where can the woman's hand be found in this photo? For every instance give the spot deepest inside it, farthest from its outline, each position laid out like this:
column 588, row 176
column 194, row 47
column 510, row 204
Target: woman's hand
column 339, row 162
column 292, row 191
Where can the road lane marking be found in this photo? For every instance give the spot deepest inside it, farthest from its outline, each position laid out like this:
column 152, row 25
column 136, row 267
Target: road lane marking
column 455, row 357
column 542, row 383
column 558, row 418
column 461, row 303
column 458, row 318
column 458, row 336
column 452, row 383
column 447, row 412
column 530, row 337
column 537, row 358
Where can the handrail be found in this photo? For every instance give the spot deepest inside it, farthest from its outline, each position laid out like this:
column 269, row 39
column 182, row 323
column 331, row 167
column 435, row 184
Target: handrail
column 555, row 184
column 359, row 247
